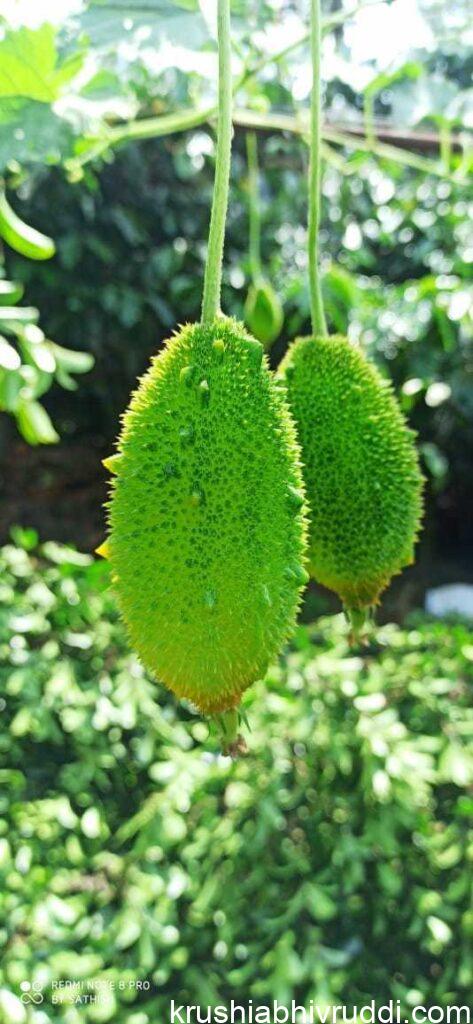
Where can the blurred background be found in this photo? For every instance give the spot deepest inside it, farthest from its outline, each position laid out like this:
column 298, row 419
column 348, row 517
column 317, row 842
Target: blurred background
column 333, row 864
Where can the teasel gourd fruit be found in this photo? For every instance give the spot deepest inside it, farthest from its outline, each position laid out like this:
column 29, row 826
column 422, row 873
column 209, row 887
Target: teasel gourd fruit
column 361, row 471
column 207, row 517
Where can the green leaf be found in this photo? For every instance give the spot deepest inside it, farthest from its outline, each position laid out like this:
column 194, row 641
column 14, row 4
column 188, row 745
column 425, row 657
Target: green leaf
column 12, row 317
column 108, row 22
column 29, row 64
column 440, row 930
column 456, row 765
column 34, row 423
column 65, row 380
column 72, row 361
column 39, row 355
column 319, row 903
column 10, row 292
column 9, row 358
column 129, row 930
column 435, row 460
column 412, row 70
column 11, row 383
column 24, row 537
column 31, row 132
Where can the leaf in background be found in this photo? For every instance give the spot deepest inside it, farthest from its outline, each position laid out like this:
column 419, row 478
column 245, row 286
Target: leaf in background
column 384, row 80
column 22, row 237
column 69, row 361
column 11, row 383
column 24, row 537
column 456, row 764
column 9, row 358
column 412, row 101
column 341, row 295
column 435, row 461
column 39, row 355
column 10, row 292
column 31, row 132
column 34, row 423
column 142, row 23
column 102, row 85
column 72, row 361
column 29, row 64
column 12, row 317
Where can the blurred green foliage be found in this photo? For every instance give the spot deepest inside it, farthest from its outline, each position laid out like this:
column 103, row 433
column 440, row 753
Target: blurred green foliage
column 29, row 362
column 333, row 863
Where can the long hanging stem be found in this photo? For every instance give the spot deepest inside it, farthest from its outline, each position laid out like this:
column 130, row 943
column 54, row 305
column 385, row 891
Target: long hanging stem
column 213, row 268
column 253, row 205
column 319, row 325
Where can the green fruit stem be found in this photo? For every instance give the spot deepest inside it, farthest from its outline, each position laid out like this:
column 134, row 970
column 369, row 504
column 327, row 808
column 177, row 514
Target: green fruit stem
column 319, row 325
column 253, row 206
column 227, row 724
column 213, row 269
column 357, row 618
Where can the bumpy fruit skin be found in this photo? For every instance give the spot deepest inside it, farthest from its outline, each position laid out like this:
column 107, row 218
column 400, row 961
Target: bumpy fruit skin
column 263, row 312
column 207, row 516
column 361, row 471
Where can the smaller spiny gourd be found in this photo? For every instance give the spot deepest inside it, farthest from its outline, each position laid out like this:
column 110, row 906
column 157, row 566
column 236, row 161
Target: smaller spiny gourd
column 361, row 471
column 264, row 314
column 207, row 516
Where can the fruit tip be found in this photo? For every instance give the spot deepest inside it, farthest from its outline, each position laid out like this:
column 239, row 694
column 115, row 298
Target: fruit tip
column 112, row 462
column 103, row 550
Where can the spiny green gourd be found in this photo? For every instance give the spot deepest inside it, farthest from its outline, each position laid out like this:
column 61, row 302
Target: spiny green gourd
column 361, row 471
column 207, row 516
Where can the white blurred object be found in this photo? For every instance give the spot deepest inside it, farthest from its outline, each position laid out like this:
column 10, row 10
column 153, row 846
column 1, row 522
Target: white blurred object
column 32, row 14
column 378, row 32
column 453, row 599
